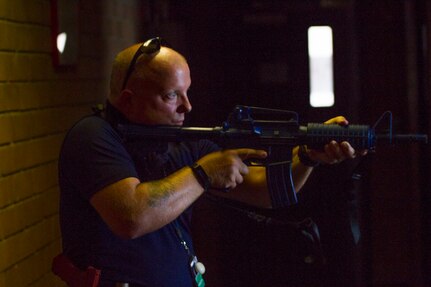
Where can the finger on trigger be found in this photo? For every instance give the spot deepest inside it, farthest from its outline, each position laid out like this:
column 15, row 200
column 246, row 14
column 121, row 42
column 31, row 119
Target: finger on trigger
column 246, row 153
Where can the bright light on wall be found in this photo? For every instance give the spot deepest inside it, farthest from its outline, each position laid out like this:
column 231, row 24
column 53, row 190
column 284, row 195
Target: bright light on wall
column 61, row 42
column 320, row 55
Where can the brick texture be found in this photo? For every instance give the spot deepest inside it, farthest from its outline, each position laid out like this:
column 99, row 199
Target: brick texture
column 38, row 104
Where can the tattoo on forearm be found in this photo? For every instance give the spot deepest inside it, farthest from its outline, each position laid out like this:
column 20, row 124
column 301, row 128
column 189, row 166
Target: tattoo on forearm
column 158, row 191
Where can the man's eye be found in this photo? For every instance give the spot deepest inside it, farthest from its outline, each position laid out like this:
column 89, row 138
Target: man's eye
column 171, row 96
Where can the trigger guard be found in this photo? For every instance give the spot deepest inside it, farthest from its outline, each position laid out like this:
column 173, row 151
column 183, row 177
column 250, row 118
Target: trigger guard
column 255, row 162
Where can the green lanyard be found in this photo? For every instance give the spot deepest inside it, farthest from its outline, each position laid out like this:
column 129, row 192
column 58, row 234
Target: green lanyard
column 197, row 268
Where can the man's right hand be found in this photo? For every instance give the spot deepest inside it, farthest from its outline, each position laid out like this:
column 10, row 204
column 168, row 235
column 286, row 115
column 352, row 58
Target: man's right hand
column 226, row 169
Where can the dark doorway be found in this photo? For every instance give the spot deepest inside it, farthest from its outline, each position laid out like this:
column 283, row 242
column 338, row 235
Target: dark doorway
column 255, row 53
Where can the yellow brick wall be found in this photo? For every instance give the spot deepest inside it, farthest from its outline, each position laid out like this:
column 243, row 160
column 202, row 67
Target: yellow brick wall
column 37, row 105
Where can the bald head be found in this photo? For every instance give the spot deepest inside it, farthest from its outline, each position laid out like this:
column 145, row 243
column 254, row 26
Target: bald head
column 147, row 67
column 156, row 91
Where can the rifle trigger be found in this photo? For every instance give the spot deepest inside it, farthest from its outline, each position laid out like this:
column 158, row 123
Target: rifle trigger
column 255, row 162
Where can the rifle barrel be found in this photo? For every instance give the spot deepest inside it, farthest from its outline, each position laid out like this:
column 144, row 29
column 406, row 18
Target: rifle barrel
column 403, row 138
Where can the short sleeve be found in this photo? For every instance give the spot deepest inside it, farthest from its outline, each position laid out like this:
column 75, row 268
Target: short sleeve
column 92, row 157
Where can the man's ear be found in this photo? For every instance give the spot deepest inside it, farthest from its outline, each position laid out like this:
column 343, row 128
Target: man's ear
column 124, row 101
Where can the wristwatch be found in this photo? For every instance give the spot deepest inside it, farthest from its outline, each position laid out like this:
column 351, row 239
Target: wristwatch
column 201, row 176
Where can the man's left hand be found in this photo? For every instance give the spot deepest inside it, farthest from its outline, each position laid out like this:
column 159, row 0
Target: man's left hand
column 335, row 152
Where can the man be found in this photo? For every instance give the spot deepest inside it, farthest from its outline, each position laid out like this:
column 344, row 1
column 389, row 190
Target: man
column 125, row 209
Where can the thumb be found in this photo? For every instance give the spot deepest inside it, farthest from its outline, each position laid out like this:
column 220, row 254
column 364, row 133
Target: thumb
column 340, row 120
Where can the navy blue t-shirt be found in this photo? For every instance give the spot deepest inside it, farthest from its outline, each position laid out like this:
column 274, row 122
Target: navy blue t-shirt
column 93, row 156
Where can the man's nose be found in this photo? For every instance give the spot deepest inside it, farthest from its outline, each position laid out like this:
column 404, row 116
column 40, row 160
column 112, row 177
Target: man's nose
column 185, row 105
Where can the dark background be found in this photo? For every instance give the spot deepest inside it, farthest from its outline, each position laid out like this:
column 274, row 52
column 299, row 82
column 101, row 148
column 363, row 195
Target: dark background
column 255, row 53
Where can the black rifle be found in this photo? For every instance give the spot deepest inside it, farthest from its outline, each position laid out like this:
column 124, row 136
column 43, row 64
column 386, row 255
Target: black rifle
column 277, row 133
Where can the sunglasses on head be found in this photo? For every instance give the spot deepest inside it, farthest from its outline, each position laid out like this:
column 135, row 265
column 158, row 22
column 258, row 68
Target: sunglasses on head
column 149, row 47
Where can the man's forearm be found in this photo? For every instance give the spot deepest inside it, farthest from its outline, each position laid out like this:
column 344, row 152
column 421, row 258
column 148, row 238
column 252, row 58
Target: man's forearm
column 300, row 172
column 132, row 209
